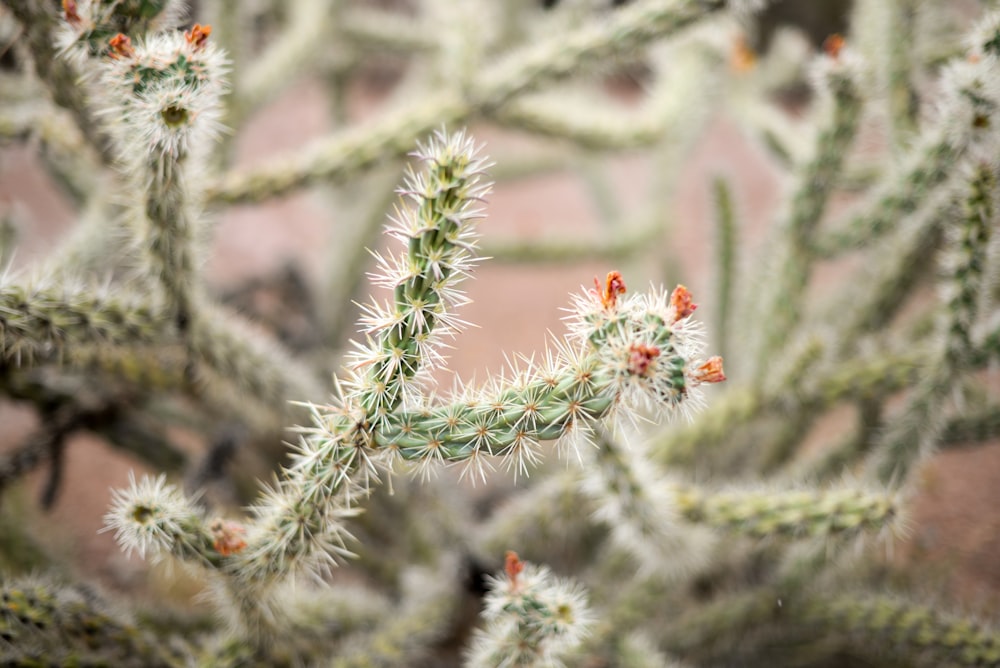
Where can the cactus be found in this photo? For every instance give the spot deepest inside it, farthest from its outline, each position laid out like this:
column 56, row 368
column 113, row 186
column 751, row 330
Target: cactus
column 532, row 618
column 687, row 521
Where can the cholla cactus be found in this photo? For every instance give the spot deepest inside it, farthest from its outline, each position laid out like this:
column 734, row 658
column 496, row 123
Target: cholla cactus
column 165, row 101
column 532, row 618
column 165, row 93
column 623, row 354
column 749, row 523
column 44, row 622
column 91, row 27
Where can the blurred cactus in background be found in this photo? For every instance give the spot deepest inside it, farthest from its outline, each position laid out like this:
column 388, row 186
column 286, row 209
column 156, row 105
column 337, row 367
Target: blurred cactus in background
column 601, row 500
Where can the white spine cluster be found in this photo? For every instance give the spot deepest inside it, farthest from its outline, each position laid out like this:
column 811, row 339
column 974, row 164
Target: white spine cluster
column 165, row 90
column 970, row 95
column 533, row 618
column 152, row 517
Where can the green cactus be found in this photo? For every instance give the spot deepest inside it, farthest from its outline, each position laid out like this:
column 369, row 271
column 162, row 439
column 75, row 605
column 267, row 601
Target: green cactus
column 748, row 523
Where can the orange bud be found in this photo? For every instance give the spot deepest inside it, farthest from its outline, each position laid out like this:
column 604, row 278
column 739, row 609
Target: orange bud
column 70, row 11
column 710, row 371
column 228, row 537
column 743, row 57
column 614, row 285
column 513, row 567
column 121, row 46
column 833, row 45
column 640, row 357
column 197, row 36
column 680, row 299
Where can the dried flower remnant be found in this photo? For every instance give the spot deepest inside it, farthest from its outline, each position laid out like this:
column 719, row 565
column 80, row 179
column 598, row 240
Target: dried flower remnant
column 121, row 47
column 833, row 45
column 640, row 358
column 512, row 567
column 742, row 58
column 228, row 537
column 709, row 372
column 614, row 285
column 71, row 12
column 197, row 37
column 682, row 302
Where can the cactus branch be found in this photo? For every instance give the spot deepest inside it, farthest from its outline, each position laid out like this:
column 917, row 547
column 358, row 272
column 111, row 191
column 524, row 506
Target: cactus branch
column 344, row 154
